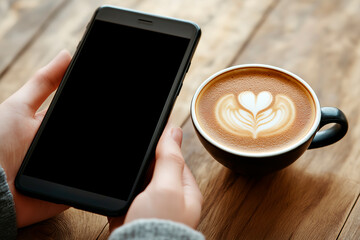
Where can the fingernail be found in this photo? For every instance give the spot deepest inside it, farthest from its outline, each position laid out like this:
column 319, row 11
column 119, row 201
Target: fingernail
column 176, row 134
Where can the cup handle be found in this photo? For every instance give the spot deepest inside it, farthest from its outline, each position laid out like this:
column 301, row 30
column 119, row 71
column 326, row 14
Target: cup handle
column 333, row 134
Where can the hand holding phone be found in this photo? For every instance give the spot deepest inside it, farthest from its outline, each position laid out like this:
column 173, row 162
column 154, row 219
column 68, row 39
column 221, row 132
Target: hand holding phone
column 173, row 193
column 109, row 111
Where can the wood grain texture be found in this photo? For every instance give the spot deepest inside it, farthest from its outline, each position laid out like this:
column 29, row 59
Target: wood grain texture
column 20, row 22
column 351, row 229
column 71, row 224
column 291, row 203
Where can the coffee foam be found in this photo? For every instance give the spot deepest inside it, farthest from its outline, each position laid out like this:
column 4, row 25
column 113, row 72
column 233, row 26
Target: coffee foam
column 255, row 110
column 254, row 116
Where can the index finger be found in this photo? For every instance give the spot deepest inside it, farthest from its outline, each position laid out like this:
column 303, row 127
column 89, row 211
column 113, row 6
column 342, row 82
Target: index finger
column 38, row 88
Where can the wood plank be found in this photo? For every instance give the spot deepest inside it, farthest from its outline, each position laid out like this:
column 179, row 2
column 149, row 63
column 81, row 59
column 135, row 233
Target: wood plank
column 351, row 229
column 4, row 8
column 311, row 199
column 291, row 203
column 104, row 234
column 21, row 22
column 71, row 224
column 56, row 36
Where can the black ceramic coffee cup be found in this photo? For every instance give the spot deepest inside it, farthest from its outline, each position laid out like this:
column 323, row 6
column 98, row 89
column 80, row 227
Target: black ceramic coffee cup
column 263, row 163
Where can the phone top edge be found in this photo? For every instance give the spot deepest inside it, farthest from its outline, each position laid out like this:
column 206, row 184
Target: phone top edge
column 110, row 13
column 107, row 6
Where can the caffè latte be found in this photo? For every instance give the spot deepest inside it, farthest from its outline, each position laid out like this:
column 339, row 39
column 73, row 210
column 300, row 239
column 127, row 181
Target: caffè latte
column 255, row 110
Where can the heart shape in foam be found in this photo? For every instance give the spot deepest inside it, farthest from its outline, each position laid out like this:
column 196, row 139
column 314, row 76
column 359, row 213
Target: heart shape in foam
column 255, row 115
column 254, row 103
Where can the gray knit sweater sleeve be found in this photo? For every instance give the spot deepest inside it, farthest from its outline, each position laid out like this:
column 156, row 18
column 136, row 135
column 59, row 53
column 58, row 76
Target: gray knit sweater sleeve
column 8, row 228
column 147, row 229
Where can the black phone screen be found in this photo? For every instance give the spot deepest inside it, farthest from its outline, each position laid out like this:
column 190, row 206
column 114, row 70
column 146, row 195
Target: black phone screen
column 110, row 102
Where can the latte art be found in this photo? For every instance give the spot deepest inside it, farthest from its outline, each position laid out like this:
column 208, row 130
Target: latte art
column 251, row 115
column 254, row 110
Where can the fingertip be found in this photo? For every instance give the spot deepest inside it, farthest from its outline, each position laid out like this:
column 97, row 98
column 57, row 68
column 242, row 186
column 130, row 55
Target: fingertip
column 59, row 63
column 63, row 58
column 65, row 53
column 170, row 132
column 166, row 143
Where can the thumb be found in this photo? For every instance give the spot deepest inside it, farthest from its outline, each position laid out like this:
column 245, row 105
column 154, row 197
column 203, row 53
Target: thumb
column 170, row 163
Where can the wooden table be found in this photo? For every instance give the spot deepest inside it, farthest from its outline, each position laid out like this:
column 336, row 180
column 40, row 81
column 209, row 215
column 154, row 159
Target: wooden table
column 315, row 198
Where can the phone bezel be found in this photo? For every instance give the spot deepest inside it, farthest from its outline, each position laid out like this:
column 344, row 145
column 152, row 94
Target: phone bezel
column 90, row 201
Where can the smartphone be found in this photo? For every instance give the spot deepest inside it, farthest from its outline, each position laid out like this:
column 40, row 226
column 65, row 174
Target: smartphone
column 100, row 132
